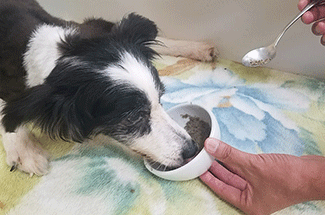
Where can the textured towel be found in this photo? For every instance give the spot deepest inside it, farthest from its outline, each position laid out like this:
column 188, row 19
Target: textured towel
column 258, row 110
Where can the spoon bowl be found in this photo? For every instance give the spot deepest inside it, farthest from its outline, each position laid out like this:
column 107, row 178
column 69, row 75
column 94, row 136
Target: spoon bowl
column 263, row 55
column 260, row 56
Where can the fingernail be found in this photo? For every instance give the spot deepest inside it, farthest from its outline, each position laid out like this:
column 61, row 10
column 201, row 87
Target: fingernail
column 211, row 145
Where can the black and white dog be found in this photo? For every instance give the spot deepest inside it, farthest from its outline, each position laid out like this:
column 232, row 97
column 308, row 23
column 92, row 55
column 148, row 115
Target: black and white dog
column 75, row 81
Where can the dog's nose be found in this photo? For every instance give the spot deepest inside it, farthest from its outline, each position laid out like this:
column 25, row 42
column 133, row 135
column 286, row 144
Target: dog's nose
column 190, row 150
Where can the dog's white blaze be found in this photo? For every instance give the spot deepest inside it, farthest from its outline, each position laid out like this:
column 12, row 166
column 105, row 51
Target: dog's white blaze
column 135, row 73
column 162, row 144
column 42, row 52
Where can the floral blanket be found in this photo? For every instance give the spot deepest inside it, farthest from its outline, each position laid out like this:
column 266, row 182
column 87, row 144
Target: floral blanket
column 259, row 111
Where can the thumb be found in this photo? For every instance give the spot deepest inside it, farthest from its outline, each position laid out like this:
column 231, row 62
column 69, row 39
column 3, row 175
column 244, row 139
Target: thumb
column 224, row 152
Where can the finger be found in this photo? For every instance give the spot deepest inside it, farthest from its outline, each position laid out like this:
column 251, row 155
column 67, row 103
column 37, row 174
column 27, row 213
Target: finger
column 228, row 177
column 318, row 12
column 308, row 17
column 314, row 14
column 318, row 28
column 302, row 4
column 225, row 153
column 233, row 159
column 223, row 190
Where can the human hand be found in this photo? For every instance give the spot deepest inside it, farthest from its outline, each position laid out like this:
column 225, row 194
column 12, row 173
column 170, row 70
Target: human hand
column 317, row 15
column 264, row 183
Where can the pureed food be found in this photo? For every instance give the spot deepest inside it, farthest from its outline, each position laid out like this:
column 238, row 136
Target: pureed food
column 198, row 129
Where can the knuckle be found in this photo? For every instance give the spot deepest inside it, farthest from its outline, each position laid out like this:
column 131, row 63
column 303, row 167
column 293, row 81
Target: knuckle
column 226, row 154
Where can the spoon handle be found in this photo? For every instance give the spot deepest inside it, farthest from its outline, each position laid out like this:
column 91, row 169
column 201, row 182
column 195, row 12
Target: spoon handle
column 308, row 7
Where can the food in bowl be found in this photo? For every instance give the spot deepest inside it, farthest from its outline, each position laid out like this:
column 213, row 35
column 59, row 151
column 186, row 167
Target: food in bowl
column 198, row 129
column 191, row 117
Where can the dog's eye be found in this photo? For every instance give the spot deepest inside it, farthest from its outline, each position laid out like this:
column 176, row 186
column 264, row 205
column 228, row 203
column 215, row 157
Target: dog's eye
column 136, row 118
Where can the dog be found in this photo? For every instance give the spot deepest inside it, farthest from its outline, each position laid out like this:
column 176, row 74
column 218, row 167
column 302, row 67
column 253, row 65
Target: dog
column 75, row 81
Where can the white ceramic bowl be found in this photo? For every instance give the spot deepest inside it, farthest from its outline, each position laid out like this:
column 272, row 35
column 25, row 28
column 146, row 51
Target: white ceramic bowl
column 202, row 162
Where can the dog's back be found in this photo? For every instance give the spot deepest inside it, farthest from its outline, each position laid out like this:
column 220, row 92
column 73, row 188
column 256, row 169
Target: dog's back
column 75, row 81
column 19, row 18
column 17, row 21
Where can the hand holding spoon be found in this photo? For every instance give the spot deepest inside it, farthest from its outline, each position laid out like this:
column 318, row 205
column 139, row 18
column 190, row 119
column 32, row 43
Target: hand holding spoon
column 263, row 55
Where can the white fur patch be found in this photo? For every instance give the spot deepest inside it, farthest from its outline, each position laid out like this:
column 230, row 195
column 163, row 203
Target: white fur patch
column 163, row 143
column 136, row 73
column 42, row 52
column 24, row 150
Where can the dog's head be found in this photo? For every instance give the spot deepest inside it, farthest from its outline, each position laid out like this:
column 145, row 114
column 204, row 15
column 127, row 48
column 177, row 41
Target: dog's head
column 107, row 85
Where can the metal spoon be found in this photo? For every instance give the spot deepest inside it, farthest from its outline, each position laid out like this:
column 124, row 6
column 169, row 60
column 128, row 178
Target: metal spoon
column 263, row 55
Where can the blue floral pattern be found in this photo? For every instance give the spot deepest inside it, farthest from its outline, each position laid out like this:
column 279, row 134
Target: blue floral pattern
column 258, row 111
column 250, row 117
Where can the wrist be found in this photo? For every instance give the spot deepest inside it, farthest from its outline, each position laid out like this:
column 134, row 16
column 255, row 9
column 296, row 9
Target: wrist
column 315, row 177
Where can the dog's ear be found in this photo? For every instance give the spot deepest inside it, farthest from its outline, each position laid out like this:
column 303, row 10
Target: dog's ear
column 135, row 29
column 138, row 30
column 54, row 113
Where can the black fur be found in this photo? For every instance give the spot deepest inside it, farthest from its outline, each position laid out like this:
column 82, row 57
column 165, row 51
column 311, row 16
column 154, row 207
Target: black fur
column 18, row 19
column 75, row 102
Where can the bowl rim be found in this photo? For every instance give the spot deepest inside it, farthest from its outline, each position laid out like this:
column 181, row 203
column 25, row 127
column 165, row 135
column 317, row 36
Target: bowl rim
column 215, row 132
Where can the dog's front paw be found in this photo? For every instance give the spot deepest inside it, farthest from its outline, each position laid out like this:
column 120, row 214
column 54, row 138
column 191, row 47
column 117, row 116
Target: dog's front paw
column 29, row 162
column 27, row 155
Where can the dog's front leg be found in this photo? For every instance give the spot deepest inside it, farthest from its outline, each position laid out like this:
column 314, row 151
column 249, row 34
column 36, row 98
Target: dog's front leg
column 202, row 51
column 25, row 152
